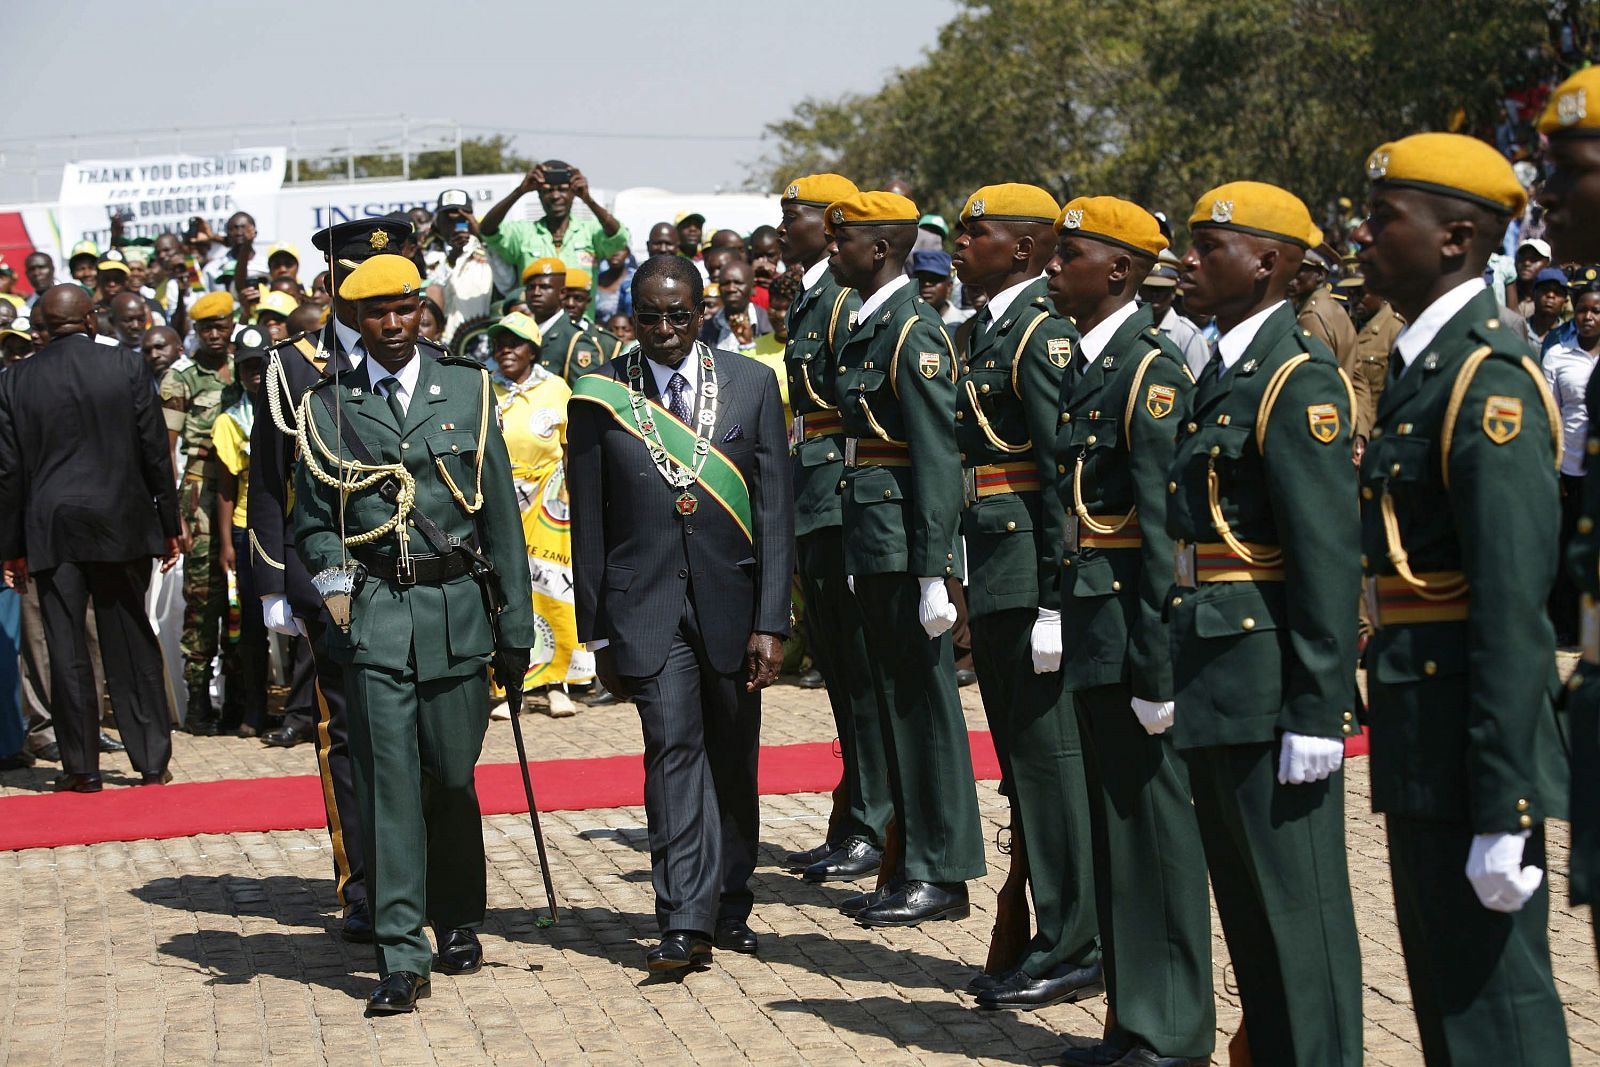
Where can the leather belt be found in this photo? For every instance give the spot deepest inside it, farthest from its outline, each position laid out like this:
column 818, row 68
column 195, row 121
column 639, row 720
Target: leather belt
column 1393, row 601
column 1216, row 562
column 427, row 569
column 1130, row 536
column 997, row 479
column 864, row 452
column 818, row 424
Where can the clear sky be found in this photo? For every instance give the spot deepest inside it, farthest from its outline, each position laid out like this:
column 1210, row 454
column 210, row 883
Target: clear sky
column 681, row 91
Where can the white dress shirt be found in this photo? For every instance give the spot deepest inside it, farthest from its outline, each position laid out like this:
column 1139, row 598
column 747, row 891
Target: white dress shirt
column 1001, row 302
column 549, row 324
column 870, row 306
column 1233, row 343
column 1418, row 335
column 814, row 274
column 1091, row 344
column 355, row 349
column 1567, row 369
column 407, row 374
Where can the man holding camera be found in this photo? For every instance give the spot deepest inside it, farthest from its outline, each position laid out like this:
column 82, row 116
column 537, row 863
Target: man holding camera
column 580, row 243
column 460, row 278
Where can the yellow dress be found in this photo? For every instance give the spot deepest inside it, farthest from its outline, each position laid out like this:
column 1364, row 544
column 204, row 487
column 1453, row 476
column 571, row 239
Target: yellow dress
column 533, row 417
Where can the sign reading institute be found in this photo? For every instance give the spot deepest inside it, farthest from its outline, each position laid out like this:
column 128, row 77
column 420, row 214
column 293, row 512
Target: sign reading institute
column 158, row 194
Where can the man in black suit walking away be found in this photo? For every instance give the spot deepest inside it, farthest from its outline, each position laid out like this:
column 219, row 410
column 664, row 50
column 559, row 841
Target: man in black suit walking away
column 683, row 547
column 87, row 499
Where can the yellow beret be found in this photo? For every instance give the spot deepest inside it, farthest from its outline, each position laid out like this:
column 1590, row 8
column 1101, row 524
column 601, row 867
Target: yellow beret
column 543, row 265
column 212, row 306
column 819, row 190
column 521, row 325
column 1568, row 113
column 1255, row 207
column 1011, row 202
column 1449, row 164
column 578, row 278
column 382, row 275
column 1114, row 221
column 875, row 208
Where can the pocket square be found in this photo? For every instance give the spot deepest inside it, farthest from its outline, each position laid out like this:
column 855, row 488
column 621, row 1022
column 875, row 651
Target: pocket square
column 735, row 434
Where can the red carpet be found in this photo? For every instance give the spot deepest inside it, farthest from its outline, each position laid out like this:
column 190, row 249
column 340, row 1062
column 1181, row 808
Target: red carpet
column 243, row 805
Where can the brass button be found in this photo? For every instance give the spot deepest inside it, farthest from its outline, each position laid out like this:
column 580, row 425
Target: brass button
column 831, row 456
column 960, row 415
column 405, row 444
column 843, row 369
column 1177, row 600
column 984, row 388
column 1349, row 715
column 841, row 485
column 1363, row 560
column 1172, row 487
column 1585, row 524
column 1522, row 805
column 1066, row 563
column 1394, row 470
column 1347, row 728
column 1090, row 440
column 888, row 494
column 1192, row 427
column 1116, row 587
column 1525, row 822
column 966, row 368
column 947, row 572
column 1366, row 492
column 1216, row 450
column 1493, row 324
column 1430, row 668
column 455, row 448
column 1248, row 623
column 1011, row 526
column 1061, row 468
column 949, row 555
column 1066, row 416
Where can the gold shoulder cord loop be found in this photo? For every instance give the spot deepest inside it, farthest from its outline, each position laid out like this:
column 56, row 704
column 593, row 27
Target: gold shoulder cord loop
column 1350, row 392
column 1220, row 524
column 483, row 430
column 805, row 379
column 1452, row 411
column 1133, row 395
column 866, row 409
column 365, row 477
column 988, row 429
column 894, row 361
column 1022, row 348
column 1270, row 397
column 1396, row 551
column 1082, row 511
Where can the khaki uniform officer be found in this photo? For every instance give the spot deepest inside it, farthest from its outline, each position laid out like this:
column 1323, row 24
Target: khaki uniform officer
column 419, row 637
column 902, row 497
column 1006, row 418
column 1124, row 395
column 1571, row 199
column 1263, row 501
column 1460, row 513
column 568, row 351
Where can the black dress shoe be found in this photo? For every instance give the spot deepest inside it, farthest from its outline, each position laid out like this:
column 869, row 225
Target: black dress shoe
column 357, row 925
column 1065, row 983
column 856, row 858
column 1099, row 1054
column 287, row 736
column 1143, row 1057
column 918, row 902
column 76, row 783
column 799, row 861
column 811, row 679
column 856, row 903
column 50, row 753
column 735, row 935
column 679, row 949
column 459, row 951
column 17, row 761
column 397, row 994
column 200, row 726
column 111, row 744
column 965, row 678
column 600, row 697
column 982, row 981
column 155, row 777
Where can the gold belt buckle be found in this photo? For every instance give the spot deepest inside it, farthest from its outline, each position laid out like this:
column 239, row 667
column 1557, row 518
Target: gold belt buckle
column 969, row 486
column 1183, row 567
column 1589, row 629
column 1369, row 594
column 850, row 451
column 1069, row 537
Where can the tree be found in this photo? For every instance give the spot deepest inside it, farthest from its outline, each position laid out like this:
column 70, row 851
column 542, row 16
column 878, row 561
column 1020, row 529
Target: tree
column 479, row 155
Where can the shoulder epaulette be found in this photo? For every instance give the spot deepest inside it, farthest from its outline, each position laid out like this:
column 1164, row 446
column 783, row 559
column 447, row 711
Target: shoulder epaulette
column 450, row 360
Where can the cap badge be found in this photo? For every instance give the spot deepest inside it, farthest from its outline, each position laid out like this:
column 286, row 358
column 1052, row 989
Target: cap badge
column 1073, row 220
column 977, row 208
column 1572, row 107
column 1377, row 166
column 1222, row 211
column 405, row 288
column 793, row 192
column 379, row 240
column 838, row 216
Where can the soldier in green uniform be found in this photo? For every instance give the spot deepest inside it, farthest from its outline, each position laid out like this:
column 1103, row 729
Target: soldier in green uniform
column 1262, row 500
column 193, row 396
column 1126, row 391
column 418, row 635
column 568, row 351
column 902, row 496
column 1006, row 416
column 819, row 321
column 1571, row 199
column 576, row 298
column 1460, row 513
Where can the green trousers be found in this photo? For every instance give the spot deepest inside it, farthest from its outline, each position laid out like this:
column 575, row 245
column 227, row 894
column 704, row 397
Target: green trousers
column 1150, row 880
column 924, row 734
column 1480, row 979
column 414, row 745
column 205, row 591
column 839, row 649
column 1036, row 737
column 1277, row 859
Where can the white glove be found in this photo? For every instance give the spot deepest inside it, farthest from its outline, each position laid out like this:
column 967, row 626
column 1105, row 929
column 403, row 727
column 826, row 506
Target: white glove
column 1303, row 759
column 934, row 610
column 1154, row 715
column 1045, row 644
column 1494, row 867
column 275, row 612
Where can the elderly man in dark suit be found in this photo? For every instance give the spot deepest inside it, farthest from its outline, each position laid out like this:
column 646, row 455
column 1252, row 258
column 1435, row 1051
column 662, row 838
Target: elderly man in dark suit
column 683, row 547
column 87, row 499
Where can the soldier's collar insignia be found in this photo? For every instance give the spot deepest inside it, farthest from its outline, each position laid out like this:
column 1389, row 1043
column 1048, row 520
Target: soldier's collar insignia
column 356, row 391
column 1249, row 366
column 433, row 390
column 379, row 240
column 977, row 209
column 1072, row 220
column 1377, row 166
column 851, row 322
column 1108, row 361
column 1006, row 325
column 887, row 315
column 1572, row 107
column 1430, row 361
column 1222, row 211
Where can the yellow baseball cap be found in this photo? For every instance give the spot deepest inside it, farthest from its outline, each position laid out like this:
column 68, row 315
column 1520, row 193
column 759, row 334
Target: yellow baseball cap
column 1574, row 108
column 383, row 275
column 578, row 278
column 819, row 190
column 874, row 208
column 276, row 303
column 1255, row 208
column 1450, row 164
column 521, row 325
column 286, row 248
column 1011, row 202
column 543, row 265
column 218, row 305
column 113, row 264
column 1114, row 221
column 84, row 248
column 20, row 326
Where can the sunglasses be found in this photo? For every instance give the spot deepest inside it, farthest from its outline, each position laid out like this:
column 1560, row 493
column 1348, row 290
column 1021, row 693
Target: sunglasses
column 649, row 319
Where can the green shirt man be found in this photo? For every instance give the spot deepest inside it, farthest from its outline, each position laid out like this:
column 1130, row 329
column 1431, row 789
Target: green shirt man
column 577, row 242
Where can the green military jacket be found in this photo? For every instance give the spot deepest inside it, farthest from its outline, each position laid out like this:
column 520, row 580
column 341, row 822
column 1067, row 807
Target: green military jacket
column 1006, row 414
column 569, row 351
column 1252, row 658
column 608, row 344
column 1120, row 416
column 192, row 397
column 440, row 628
column 819, row 321
column 897, row 388
column 1459, row 482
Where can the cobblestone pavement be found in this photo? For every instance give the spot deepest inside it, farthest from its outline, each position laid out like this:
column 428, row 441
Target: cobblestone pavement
column 218, row 949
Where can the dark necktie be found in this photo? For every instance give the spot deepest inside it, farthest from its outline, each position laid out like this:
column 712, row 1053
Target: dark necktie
column 391, row 392
column 1397, row 365
column 678, row 397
